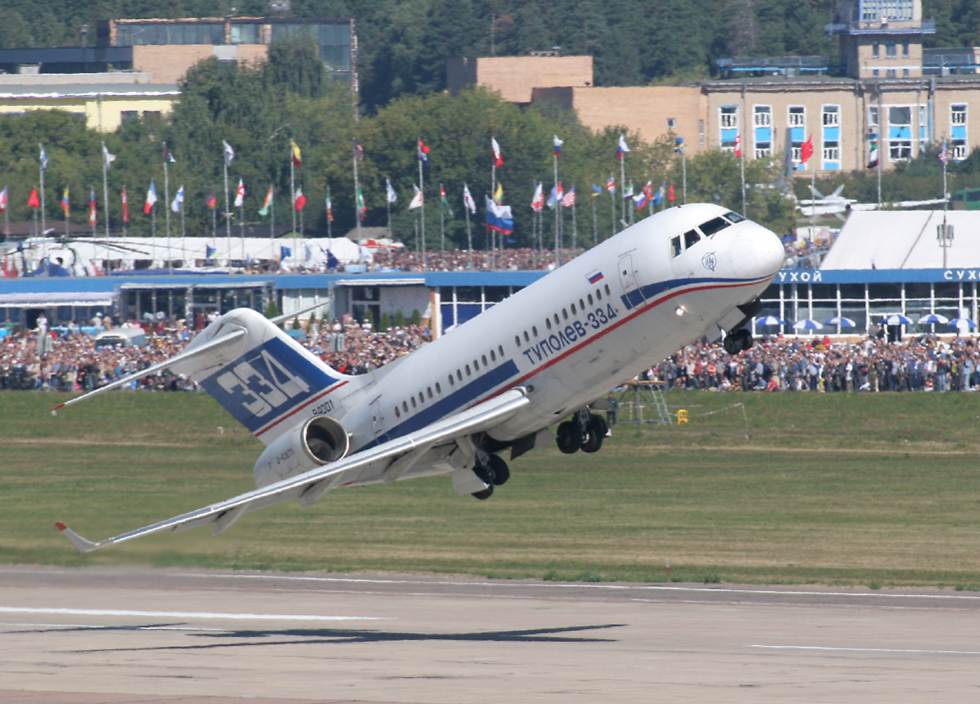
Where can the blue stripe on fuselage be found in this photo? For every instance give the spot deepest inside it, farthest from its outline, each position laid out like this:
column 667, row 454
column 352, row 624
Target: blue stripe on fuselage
column 645, row 293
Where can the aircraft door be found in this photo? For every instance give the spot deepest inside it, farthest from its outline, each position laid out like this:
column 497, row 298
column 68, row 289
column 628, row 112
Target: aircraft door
column 628, row 273
column 377, row 419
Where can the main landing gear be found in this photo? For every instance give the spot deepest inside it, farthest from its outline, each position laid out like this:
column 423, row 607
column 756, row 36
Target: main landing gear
column 492, row 470
column 584, row 432
column 738, row 341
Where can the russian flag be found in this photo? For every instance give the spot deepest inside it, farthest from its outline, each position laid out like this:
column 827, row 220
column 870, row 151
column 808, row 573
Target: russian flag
column 596, row 277
column 499, row 218
column 556, row 143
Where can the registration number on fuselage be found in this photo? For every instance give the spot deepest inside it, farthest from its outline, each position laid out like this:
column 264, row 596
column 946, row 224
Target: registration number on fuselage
column 574, row 331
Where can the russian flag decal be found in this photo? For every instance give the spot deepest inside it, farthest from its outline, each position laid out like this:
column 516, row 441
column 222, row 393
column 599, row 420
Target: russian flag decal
column 596, row 277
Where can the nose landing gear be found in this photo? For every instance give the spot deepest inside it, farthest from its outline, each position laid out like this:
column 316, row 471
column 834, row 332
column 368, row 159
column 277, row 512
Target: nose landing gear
column 585, row 432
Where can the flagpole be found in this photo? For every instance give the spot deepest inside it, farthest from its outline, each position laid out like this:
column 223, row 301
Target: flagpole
column 388, row 208
column 554, row 166
column 469, row 236
column 881, row 144
column 41, row 169
column 684, row 177
column 622, row 178
column 214, row 224
column 442, row 228
column 595, row 222
column 741, row 164
column 272, row 222
column 95, row 220
column 224, row 160
column 329, row 213
column 357, row 187
column 422, row 212
column 946, row 238
column 574, row 226
column 166, row 195
column 612, row 204
column 105, row 189
column 241, row 227
column 65, row 211
column 292, row 182
column 493, row 194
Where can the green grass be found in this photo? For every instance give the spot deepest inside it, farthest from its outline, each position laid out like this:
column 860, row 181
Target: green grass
column 832, row 489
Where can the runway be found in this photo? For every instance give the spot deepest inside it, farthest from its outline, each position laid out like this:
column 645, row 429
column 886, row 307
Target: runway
column 86, row 636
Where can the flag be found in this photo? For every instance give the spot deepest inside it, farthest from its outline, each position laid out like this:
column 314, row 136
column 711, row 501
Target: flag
column 107, row 158
column 328, row 204
column 229, row 153
column 92, row 207
column 240, row 194
column 499, row 218
column 212, row 201
column 124, row 202
column 537, row 200
column 468, row 201
column 596, row 190
column 417, row 199
column 33, row 200
column 872, row 149
column 423, row 150
column 621, row 147
column 209, row 251
column 556, row 145
column 556, row 195
column 299, row 200
column 285, row 252
column 444, row 201
column 569, row 200
column 266, row 202
column 498, row 195
column 640, row 200
column 4, row 199
column 168, row 157
column 628, row 190
column 296, row 154
column 658, row 197
column 944, row 153
column 358, row 151
column 390, row 195
column 671, row 194
column 596, row 277
column 42, row 157
column 738, row 146
column 611, row 184
column 806, row 151
column 498, row 156
column 65, row 203
column 361, row 208
column 151, row 198
column 177, row 204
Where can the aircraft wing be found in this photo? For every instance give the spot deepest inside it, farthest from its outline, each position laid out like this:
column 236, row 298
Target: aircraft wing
column 310, row 485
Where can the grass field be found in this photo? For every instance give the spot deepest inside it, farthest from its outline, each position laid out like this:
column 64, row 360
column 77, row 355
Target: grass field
column 831, row 489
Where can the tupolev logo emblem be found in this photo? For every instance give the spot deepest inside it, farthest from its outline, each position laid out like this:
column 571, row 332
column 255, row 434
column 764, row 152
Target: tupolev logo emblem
column 709, row 261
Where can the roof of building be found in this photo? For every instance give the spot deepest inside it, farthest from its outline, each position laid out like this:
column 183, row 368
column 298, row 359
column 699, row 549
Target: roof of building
column 90, row 90
column 904, row 239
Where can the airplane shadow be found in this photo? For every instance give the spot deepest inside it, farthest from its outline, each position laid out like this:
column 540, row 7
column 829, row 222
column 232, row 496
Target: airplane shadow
column 338, row 636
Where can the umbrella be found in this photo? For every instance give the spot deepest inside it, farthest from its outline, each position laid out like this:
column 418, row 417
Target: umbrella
column 897, row 319
column 807, row 324
column 960, row 323
column 842, row 321
column 769, row 320
column 933, row 319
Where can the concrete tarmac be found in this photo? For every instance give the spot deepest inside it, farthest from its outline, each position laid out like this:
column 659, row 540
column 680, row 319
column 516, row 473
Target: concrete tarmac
column 113, row 636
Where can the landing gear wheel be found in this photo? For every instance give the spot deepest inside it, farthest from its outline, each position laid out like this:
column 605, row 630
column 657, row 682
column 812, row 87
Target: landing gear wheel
column 499, row 470
column 569, row 438
column 592, row 442
column 483, row 495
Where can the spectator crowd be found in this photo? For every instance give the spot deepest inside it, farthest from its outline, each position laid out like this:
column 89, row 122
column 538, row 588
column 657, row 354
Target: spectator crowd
column 68, row 360
column 507, row 259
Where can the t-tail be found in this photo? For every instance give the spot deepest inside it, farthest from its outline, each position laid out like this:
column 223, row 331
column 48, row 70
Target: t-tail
column 257, row 372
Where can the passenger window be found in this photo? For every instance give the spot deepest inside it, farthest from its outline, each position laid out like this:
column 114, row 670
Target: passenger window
column 581, row 304
column 421, row 397
column 429, row 392
column 573, row 309
column 468, row 372
column 712, row 226
column 413, row 402
column 438, row 388
column 690, row 238
column 483, row 358
column 590, row 299
column 451, row 382
column 500, row 351
column 459, row 375
column 398, row 413
column 557, row 319
column 493, row 356
column 534, row 330
column 517, row 340
column 405, row 406
column 598, row 294
column 608, row 292
column 564, row 313
column 547, row 323
column 675, row 246
column 527, row 338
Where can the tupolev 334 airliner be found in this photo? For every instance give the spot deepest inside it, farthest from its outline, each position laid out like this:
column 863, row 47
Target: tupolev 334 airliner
column 494, row 385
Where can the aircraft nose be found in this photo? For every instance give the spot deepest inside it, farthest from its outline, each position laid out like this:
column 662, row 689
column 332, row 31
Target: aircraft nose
column 762, row 252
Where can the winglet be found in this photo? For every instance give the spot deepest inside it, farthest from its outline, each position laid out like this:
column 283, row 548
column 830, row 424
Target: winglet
column 81, row 544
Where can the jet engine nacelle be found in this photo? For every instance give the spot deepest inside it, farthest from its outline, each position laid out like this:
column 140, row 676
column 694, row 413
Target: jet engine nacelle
column 319, row 441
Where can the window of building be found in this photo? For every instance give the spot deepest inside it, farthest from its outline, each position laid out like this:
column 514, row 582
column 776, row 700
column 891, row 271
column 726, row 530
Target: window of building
column 763, row 150
column 900, row 149
column 128, row 116
column 906, row 73
column 959, row 149
column 762, row 116
column 831, row 150
column 905, row 49
column 831, row 115
column 876, row 49
column 891, row 49
column 873, row 116
column 957, row 114
column 891, row 73
column 796, row 116
column 728, row 116
column 671, row 123
column 875, row 73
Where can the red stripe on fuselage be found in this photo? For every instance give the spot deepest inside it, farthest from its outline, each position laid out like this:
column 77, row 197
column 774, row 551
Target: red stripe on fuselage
column 300, row 407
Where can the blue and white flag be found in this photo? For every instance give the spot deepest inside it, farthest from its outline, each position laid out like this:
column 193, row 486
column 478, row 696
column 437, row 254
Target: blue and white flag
column 177, row 204
column 43, row 157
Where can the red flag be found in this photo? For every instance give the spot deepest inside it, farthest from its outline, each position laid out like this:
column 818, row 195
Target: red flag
column 738, row 146
column 498, row 156
column 212, row 201
column 806, row 151
column 671, row 194
column 92, row 208
column 125, row 206
column 33, row 200
column 299, row 201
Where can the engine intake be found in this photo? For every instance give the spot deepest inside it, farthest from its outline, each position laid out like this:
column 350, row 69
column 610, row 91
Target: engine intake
column 317, row 442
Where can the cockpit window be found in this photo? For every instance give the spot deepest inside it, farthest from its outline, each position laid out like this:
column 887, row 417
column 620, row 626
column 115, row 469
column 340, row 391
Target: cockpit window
column 712, row 226
column 691, row 238
column 734, row 217
column 675, row 246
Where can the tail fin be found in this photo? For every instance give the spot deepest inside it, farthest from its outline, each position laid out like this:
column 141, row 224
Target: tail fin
column 262, row 378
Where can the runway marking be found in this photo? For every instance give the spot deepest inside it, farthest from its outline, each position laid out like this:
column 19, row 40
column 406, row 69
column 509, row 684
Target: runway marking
column 209, row 615
column 90, row 626
column 900, row 651
column 575, row 585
